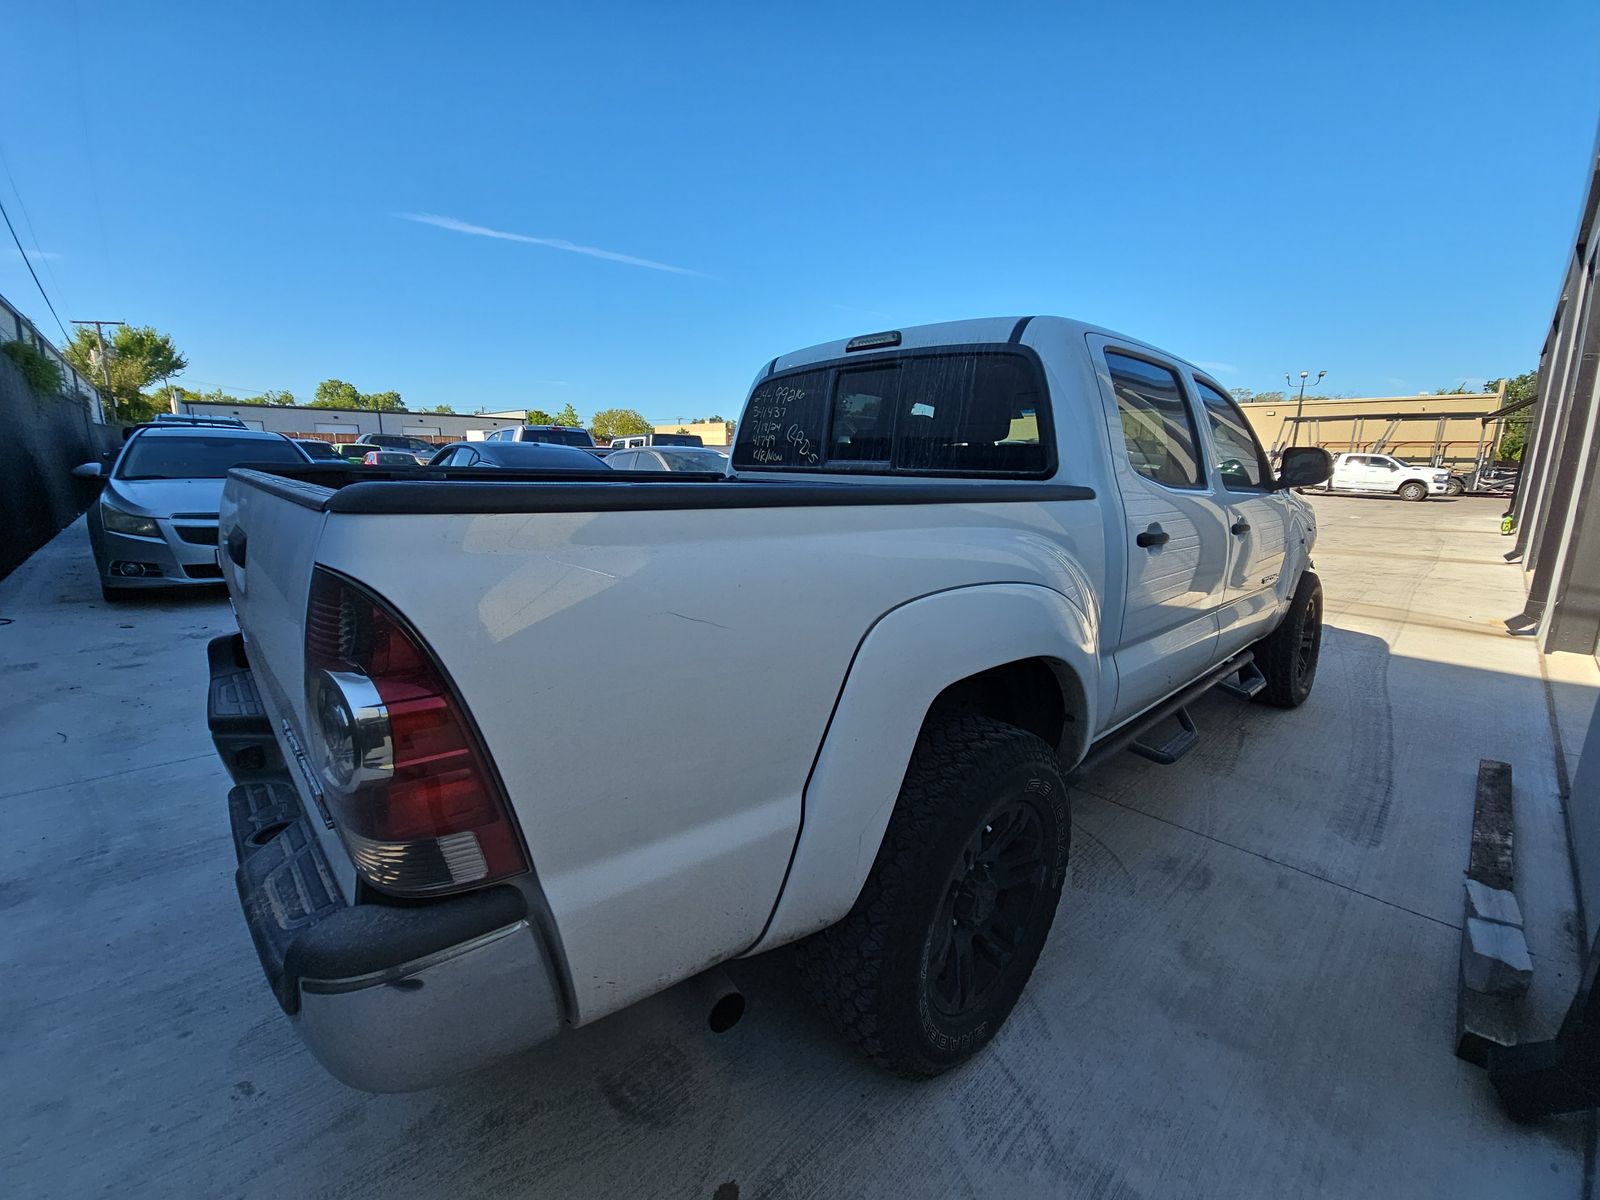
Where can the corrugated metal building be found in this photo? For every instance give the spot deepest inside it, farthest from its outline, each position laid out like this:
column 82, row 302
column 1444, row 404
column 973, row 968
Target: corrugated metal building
column 346, row 424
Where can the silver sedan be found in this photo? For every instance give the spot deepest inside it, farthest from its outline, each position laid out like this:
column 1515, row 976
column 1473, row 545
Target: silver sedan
column 155, row 524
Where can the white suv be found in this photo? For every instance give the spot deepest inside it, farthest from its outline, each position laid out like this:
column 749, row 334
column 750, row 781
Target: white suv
column 1385, row 474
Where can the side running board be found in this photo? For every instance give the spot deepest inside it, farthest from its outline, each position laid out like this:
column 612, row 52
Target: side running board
column 1175, row 747
column 1249, row 682
column 1131, row 736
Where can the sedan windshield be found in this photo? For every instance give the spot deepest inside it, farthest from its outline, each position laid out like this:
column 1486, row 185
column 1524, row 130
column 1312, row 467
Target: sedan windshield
column 200, row 457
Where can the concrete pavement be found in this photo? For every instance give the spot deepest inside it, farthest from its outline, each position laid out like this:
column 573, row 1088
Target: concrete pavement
column 1249, row 991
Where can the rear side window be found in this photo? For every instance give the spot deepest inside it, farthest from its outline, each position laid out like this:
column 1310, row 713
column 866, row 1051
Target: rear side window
column 1240, row 465
column 980, row 412
column 1157, row 425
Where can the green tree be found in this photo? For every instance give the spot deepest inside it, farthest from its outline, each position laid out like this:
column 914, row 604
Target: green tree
column 280, row 399
column 619, row 422
column 1514, row 441
column 567, row 416
column 442, row 409
column 538, row 416
column 336, row 393
column 135, row 359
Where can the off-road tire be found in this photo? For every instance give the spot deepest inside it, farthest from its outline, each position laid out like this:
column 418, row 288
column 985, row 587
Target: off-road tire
column 875, row 973
column 1288, row 655
column 1413, row 491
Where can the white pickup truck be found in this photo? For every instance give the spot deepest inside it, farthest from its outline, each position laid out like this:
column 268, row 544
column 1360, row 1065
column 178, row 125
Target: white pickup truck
column 1383, row 473
column 946, row 566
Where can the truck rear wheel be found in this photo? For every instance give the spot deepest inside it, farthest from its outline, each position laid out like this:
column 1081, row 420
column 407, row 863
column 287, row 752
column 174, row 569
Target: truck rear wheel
column 927, row 965
column 1288, row 655
column 1413, row 491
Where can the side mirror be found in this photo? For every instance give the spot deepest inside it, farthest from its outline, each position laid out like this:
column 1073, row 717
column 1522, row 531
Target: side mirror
column 1304, row 466
column 89, row 470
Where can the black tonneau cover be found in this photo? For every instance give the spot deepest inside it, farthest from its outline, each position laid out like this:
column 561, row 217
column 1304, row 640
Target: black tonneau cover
column 442, row 490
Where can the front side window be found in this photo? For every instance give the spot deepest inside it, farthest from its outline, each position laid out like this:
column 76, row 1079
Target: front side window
column 1240, row 464
column 1157, row 426
column 979, row 412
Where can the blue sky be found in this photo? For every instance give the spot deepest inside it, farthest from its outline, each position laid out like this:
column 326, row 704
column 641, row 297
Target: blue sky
column 1384, row 191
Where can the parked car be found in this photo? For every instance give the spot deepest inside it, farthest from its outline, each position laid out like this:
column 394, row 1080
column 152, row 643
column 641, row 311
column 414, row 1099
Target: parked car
column 656, row 439
column 318, row 451
column 669, row 458
column 155, row 522
column 955, row 562
column 391, row 458
column 1383, row 473
column 351, row 452
column 558, row 435
column 525, row 456
column 419, row 447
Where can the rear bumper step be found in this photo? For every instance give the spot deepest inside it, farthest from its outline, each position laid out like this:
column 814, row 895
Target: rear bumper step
column 389, row 997
column 238, row 720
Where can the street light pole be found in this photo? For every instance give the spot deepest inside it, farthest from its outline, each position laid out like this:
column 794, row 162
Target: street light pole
column 1300, row 404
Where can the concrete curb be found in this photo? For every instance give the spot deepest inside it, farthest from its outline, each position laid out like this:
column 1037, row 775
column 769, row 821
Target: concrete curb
column 1496, row 969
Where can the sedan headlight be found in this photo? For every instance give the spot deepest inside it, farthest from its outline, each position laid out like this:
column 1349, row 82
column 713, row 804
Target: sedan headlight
column 117, row 521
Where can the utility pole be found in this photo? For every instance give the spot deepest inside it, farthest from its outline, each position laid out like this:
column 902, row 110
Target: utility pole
column 105, row 358
column 1299, row 407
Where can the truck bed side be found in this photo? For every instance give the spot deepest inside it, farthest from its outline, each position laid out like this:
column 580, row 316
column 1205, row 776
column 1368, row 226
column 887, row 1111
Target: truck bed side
column 652, row 676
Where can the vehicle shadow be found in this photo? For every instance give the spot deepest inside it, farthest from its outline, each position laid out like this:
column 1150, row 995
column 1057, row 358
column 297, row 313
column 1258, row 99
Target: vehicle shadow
column 166, row 597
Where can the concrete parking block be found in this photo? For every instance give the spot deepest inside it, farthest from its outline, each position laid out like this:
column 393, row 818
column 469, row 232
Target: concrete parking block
column 1494, row 959
column 1496, row 905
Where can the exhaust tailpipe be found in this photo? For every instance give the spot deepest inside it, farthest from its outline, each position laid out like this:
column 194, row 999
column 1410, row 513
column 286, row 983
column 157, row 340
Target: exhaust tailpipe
column 718, row 997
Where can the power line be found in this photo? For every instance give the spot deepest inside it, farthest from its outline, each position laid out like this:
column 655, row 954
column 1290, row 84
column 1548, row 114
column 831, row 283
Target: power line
column 27, row 221
column 29, row 263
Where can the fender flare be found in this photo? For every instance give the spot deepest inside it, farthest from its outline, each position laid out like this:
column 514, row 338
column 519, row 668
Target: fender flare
column 906, row 659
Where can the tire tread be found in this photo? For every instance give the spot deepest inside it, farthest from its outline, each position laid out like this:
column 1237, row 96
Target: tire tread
column 845, row 966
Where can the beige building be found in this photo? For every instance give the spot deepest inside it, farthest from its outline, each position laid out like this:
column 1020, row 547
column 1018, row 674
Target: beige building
column 1421, row 429
column 712, row 433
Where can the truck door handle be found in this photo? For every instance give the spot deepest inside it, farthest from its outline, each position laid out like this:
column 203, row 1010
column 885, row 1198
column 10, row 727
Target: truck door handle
column 1152, row 537
column 1240, row 527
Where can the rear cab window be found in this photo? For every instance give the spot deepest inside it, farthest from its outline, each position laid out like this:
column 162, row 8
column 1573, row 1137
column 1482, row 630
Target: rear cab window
column 979, row 411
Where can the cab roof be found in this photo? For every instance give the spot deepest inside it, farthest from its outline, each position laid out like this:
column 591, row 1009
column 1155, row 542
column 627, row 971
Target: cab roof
column 979, row 330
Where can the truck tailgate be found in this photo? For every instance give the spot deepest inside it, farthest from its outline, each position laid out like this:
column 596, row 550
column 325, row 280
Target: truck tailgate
column 267, row 534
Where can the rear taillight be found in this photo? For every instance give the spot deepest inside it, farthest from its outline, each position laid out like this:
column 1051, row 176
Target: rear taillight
column 405, row 779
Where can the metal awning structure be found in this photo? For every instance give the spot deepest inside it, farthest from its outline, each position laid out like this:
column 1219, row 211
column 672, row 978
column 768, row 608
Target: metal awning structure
column 1289, row 432
column 1511, row 408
